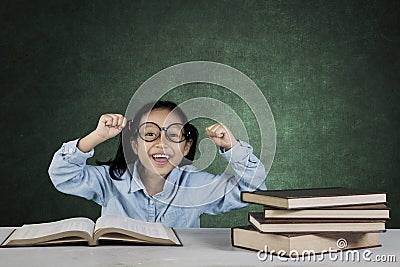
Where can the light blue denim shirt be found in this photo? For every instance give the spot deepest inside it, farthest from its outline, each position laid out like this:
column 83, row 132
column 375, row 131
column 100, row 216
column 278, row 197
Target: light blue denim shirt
column 187, row 193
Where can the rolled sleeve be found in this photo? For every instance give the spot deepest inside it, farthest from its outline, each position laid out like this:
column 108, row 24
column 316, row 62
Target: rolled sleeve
column 239, row 153
column 71, row 153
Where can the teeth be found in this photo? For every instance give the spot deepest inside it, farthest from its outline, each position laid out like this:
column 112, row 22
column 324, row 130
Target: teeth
column 161, row 156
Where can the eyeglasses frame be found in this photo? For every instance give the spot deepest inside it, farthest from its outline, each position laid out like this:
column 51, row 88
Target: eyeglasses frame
column 165, row 129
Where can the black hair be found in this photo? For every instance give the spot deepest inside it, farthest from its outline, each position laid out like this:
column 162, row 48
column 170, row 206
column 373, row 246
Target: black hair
column 125, row 154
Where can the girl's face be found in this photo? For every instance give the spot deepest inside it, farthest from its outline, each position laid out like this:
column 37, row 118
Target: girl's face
column 159, row 157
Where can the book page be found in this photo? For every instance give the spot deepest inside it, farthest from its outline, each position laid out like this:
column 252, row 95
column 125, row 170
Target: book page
column 32, row 231
column 151, row 229
column 5, row 232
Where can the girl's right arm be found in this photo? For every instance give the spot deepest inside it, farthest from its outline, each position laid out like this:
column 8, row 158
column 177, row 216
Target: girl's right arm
column 68, row 170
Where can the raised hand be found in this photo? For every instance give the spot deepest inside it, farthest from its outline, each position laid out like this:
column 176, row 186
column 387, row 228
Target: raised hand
column 221, row 136
column 108, row 127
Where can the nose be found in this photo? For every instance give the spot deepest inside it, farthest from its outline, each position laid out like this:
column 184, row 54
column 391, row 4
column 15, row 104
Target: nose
column 162, row 140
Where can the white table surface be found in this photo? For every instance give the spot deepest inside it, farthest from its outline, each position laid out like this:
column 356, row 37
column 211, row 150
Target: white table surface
column 201, row 247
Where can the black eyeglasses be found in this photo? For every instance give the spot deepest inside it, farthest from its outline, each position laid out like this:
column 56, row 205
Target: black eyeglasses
column 150, row 131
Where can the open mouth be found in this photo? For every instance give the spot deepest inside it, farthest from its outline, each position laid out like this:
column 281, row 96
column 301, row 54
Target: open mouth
column 160, row 158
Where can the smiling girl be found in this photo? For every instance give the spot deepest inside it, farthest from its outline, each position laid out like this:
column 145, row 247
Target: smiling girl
column 151, row 177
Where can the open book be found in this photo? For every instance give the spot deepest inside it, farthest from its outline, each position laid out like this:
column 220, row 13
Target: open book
column 106, row 228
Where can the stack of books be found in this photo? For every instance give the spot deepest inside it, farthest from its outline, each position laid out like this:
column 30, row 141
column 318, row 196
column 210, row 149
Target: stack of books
column 317, row 220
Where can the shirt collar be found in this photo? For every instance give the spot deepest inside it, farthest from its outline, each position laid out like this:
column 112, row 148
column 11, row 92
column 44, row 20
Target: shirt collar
column 136, row 182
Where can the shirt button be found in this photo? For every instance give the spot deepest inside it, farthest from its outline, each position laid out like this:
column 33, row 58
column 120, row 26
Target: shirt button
column 151, row 202
column 71, row 150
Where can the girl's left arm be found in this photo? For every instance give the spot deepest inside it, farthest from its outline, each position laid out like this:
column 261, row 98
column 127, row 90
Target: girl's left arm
column 249, row 171
column 249, row 175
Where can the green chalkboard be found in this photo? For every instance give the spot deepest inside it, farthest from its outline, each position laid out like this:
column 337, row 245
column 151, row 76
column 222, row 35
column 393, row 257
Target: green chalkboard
column 329, row 70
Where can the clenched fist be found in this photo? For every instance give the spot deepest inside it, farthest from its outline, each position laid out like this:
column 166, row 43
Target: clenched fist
column 110, row 125
column 221, row 136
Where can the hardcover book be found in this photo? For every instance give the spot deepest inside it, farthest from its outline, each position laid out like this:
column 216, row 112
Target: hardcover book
column 374, row 211
column 314, row 197
column 258, row 220
column 250, row 238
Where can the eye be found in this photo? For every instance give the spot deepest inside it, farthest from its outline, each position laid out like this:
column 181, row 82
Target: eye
column 150, row 134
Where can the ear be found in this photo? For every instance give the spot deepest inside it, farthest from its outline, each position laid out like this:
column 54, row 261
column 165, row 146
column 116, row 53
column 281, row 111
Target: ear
column 134, row 145
column 187, row 147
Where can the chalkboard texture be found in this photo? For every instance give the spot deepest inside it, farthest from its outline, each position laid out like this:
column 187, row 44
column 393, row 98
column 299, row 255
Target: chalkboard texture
column 329, row 70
